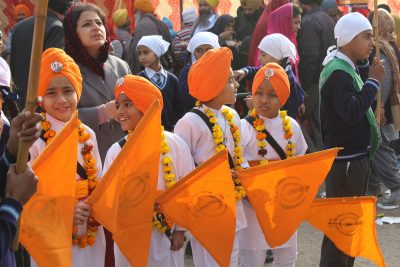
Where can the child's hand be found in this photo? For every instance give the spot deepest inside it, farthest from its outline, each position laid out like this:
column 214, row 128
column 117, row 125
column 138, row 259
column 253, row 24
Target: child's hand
column 81, row 213
column 177, row 240
column 377, row 70
column 239, row 75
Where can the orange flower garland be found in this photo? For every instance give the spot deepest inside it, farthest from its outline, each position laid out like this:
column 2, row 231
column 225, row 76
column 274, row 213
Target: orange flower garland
column 83, row 187
column 261, row 136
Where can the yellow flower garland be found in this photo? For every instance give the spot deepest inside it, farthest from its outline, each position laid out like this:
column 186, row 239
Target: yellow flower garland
column 83, row 187
column 218, row 136
column 262, row 143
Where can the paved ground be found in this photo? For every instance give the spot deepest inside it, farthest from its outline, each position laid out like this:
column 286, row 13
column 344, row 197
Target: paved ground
column 309, row 244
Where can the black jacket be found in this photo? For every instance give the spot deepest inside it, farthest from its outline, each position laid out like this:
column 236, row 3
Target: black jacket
column 21, row 47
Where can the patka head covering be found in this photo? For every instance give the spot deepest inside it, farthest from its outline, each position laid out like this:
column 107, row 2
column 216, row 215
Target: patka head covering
column 189, row 15
column 22, row 8
column 213, row 3
column 251, row 3
column 5, row 73
column 278, row 46
column 202, row 38
column 155, row 43
column 55, row 62
column 139, row 90
column 349, row 26
column 278, row 78
column 144, row 5
column 120, row 17
column 209, row 75
column 329, row 5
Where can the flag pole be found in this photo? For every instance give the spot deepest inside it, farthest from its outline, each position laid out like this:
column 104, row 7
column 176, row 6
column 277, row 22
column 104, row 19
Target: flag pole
column 33, row 84
column 378, row 57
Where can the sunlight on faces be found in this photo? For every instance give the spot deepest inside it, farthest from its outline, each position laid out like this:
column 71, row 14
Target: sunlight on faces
column 128, row 114
column 266, row 101
column 201, row 50
column 146, row 56
column 90, row 30
column 361, row 46
column 228, row 94
column 60, row 99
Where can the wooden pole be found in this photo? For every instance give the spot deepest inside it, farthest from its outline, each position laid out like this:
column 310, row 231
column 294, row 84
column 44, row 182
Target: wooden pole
column 378, row 57
column 33, row 83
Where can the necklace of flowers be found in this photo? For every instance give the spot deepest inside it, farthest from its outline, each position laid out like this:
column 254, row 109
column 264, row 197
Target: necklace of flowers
column 219, row 137
column 83, row 187
column 258, row 124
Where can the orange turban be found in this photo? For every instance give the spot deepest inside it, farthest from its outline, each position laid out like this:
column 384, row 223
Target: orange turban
column 277, row 76
column 144, row 5
column 55, row 62
column 22, row 8
column 209, row 75
column 139, row 90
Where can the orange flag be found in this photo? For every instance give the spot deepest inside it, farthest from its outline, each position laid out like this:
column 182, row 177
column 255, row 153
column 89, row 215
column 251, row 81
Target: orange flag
column 282, row 191
column 350, row 224
column 204, row 203
column 124, row 200
column 46, row 223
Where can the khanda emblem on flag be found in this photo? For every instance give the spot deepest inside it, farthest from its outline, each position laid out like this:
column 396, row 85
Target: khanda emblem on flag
column 291, row 192
column 346, row 223
column 208, row 204
column 136, row 189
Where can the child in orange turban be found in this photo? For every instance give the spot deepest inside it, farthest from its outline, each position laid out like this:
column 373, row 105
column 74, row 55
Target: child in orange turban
column 212, row 126
column 268, row 134
column 60, row 87
column 134, row 95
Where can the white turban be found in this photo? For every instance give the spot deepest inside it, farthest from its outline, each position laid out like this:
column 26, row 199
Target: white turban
column 346, row 29
column 278, row 46
column 5, row 73
column 202, row 38
column 155, row 43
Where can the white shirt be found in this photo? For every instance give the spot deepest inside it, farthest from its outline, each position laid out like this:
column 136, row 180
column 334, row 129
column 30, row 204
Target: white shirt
column 150, row 73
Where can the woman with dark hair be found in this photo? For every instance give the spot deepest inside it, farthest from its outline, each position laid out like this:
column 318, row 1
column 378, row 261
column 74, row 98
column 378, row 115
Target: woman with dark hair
column 87, row 41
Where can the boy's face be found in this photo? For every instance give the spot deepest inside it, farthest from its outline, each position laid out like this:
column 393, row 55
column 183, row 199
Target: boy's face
column 201, row 50
column 265, row 100
column 128, row 115
column 60, row 99
column 361, row 46
column 146, row 56
column 228, row 94
column 266, row 58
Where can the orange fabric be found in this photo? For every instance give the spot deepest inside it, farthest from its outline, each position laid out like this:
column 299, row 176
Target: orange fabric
column 46, row 223
column 144, row 5
column 22, row 8
column 55, row 62
column 350, row 224
column 281, row 192
column 209, row 75
column 139, row 90
column 204, row 203
column 277, row 76
column 123, row 202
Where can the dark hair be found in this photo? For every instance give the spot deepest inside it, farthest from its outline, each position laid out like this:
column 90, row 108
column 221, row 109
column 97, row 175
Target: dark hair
column 60, row 6
column 386, row 7
column 73, row 44
column 297, row 11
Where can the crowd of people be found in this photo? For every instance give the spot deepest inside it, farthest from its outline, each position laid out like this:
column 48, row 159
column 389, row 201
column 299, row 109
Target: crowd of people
column 279, row 80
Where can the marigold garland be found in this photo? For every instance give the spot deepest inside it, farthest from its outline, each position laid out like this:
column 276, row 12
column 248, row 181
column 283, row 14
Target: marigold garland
column 261, row 136
column 219, row 140
column 83, row 187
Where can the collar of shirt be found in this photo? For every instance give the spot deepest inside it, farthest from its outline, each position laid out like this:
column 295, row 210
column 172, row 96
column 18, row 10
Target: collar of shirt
column 151, row 72
column 345, row 58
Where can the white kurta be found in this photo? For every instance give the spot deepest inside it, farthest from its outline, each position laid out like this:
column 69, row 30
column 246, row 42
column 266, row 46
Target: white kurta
column 252, row 237
column 90, row 255
column 160, row 248
column 198, row 136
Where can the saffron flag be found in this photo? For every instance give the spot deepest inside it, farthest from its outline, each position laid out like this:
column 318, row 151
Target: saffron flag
column 124, row 200
column 204, row 203
column 282, row 191
column 46, row 222
column 350, row 224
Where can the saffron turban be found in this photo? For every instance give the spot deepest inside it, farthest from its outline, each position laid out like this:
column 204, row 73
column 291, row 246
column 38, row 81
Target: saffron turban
column 144, row 5
column 251, row 3
column 22, row 8
column 213, row 3
column 55, row 62
column 120, row 17
column 209, row 75
column 155, row 43
column 278, row 78
column 139, row 90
